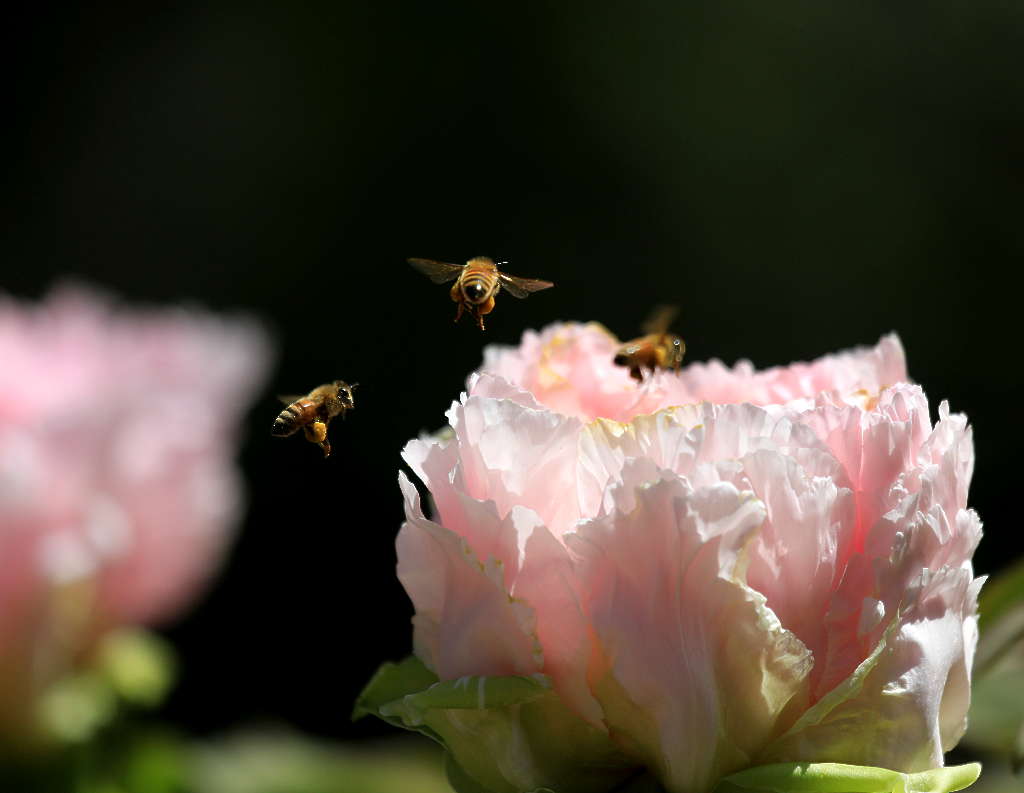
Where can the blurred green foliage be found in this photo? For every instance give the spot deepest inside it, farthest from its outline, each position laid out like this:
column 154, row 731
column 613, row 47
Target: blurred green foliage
column 996, row 723
column 997, row 778
column 127, row 668
column 138, row 758
column 275, row 761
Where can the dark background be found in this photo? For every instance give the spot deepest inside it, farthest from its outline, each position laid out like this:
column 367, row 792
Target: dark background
column 799, row 177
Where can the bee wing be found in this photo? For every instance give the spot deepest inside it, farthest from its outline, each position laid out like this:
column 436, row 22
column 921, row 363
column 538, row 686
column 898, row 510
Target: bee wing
column 660, row 319
column 521, row 287
column 288, row 399
column 438, row 272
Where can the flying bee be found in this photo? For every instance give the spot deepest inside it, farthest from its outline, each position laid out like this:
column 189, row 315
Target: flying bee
column 657, row 349
column 476, row 283
column 314, row 412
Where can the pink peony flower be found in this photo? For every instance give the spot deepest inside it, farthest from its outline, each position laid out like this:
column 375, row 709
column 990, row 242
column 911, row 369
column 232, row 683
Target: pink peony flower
column 714, row 570
column 118, row 489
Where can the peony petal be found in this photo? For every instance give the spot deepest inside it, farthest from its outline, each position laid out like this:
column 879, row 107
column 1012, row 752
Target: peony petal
column 548, row 583
column 512, row 454
column 484, row 384
column 465, row 621
column 862, row 368
column 491, row 537
column 809, row 527
column 695, row 673
column 892, row 714
column 916, row 532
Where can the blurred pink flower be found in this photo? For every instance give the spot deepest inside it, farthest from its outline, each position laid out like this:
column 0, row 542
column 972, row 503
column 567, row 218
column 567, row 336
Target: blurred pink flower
column 716, row 569
column 118, row 487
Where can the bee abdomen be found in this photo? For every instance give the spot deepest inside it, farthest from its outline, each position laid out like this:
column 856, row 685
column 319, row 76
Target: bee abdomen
column 287, row 421
column 477, row 286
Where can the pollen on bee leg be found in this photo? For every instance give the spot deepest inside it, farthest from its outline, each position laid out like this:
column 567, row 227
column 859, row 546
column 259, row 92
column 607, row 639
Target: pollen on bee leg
column 316, row 432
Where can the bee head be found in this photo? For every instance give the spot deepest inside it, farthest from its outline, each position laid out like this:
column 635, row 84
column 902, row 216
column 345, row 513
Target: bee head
column 345, row 392
column 621, row 359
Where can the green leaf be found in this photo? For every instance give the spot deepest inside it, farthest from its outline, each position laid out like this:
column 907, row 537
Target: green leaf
column 842, row 778
column 1001, row 594
column 997, row 710
column 1017, row 755
column 996, row 719
column 153, row 761
column 1000, row 621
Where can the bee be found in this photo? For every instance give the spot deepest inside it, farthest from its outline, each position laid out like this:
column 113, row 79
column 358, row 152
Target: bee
column 313, row 412
column 657, row 349
column 476, row 283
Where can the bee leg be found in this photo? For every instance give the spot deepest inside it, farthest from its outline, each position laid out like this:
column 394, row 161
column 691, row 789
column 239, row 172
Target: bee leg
column 483, row 308
column 456, row 295
column 326, row 446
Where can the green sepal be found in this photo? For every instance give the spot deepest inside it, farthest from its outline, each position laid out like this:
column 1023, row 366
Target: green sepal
column 507, row 734
column 641, row 783
column 390, row 682
column 460, row 781
column 842, row 778
column 467, row 693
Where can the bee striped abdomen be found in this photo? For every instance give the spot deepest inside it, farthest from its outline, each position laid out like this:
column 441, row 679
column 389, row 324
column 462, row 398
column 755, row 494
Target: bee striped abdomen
column 291, row 418
column 478, row 280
